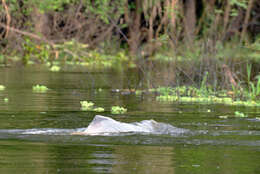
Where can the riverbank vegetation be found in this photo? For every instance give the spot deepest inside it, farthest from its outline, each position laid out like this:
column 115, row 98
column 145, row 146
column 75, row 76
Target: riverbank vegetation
column 211, row 47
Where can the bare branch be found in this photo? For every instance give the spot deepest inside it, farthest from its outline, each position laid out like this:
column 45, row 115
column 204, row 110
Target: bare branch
column 8, row 18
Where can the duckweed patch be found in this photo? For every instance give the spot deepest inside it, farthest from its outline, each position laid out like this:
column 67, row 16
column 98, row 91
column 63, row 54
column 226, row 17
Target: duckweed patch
column 118, row 110
column 40, row 88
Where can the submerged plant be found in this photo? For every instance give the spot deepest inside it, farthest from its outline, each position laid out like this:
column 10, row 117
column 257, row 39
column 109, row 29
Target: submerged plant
column 118, row 110
column 86, row 106
column 2, row 87
column 39, row 88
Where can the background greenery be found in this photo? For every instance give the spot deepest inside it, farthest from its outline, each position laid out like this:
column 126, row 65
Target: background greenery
column 187, row 38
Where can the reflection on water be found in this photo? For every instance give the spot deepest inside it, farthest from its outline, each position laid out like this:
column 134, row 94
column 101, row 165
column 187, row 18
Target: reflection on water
column 42, row 158
column 35, row 157
column 213, row 145
column 143, row 159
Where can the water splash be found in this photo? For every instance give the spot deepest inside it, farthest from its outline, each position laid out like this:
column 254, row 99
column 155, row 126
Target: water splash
column 106, row 126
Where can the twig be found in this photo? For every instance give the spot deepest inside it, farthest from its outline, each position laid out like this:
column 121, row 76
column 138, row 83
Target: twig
column 27, row 34
column 8, row 20
column 186, row 74
column 34, row 36
column 118, row 29
column 229, row 75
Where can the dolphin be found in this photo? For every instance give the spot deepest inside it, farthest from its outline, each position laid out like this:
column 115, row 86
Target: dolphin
column 102, row 125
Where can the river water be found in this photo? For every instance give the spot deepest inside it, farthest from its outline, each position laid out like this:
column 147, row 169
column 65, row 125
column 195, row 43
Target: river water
column 213, row 145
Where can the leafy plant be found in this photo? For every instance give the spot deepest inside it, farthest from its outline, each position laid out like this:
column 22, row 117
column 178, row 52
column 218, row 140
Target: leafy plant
column 89, row 106
column 240, row 114
column 86, row 105
column 223, row 116
column 203, row 86
column 2, row 87
column 55, row 68
column 255, row 89
column 248, row 70
column 118, row 110
column 6, row 100
column 40, row 88
column 36, row 52
column 99, row 109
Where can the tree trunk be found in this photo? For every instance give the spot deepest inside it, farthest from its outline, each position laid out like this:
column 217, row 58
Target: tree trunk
column 134, row 27
column 190, row 20
column 226, row 17
column 41, row 23
column 245, row 24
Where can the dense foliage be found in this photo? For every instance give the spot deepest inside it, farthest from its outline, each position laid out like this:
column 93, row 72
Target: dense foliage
column 193, row 37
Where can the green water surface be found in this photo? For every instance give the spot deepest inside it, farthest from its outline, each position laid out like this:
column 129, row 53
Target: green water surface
column 213, row 145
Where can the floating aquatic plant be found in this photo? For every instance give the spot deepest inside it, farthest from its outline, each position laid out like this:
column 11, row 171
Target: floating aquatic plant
column 55, row 68
column 89, row 106
column 240, row 114
column 39, row 88
column 206, row 95
column 30, row 62
column 6, row 100
column 138, row 92
column 223, row 116
column 2, row 87
column 166, row 98
column 86, row 105
column 48, row 64
column 118, row 110
column 207, row 100
column 99, row 109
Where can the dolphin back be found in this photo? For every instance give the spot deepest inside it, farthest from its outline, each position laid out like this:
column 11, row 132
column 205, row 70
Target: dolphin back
column 105, row 125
